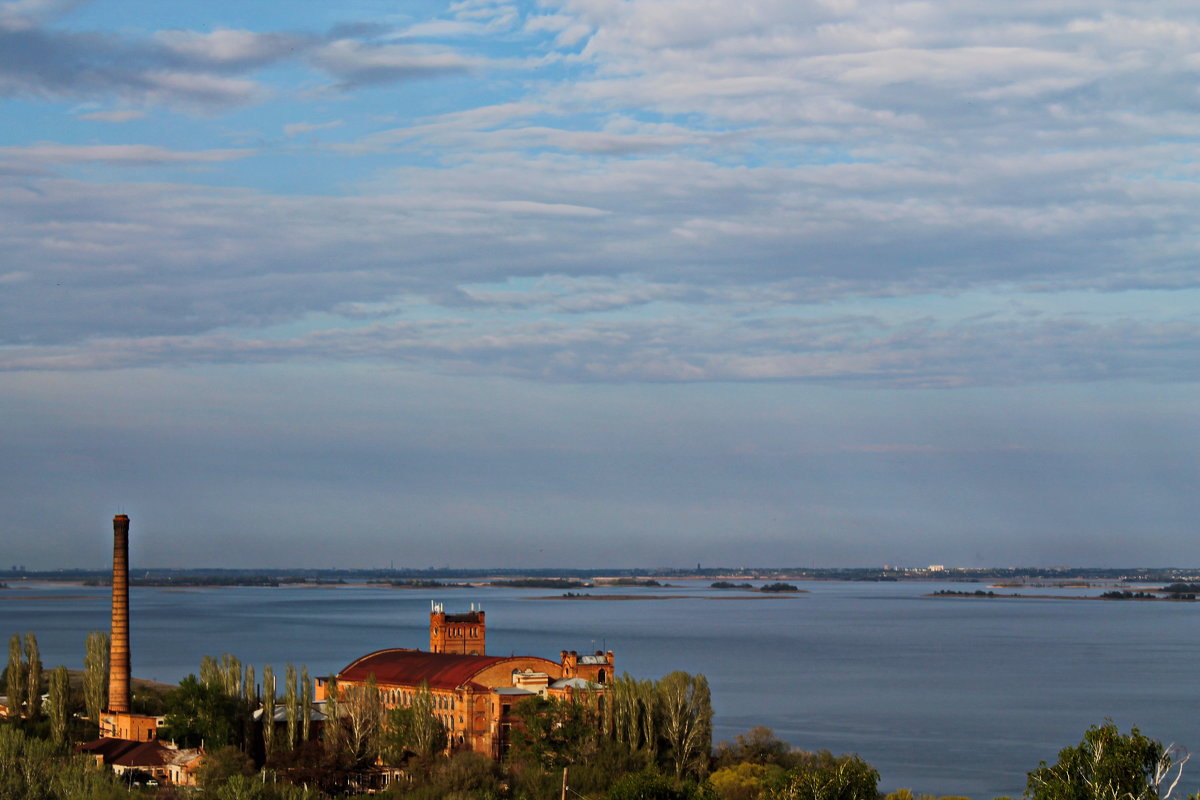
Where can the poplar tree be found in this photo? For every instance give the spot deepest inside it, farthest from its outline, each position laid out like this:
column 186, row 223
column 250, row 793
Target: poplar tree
column 95, row 674
column 686, row 722
column 15, row 686
column 56, row 704
column 291, row 704
column 306, row 693
column 210, row 672
column 333, row 722
column 415, row 728
column 33, row 677
column 231, row 674
column 268, row 710
column 362, row 707
column 249, row 688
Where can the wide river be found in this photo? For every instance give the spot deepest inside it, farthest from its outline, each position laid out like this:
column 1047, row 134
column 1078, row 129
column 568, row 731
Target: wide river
column 942, row 695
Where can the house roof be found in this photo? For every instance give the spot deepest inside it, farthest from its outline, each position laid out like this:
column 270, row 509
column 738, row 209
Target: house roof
column 403, row 667
column 124, row 753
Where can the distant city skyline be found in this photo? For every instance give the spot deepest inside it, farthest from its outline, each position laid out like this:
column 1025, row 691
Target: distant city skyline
column 571, row 282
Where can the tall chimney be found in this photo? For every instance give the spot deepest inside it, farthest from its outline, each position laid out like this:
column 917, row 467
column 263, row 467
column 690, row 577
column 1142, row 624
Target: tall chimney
column 118, row 660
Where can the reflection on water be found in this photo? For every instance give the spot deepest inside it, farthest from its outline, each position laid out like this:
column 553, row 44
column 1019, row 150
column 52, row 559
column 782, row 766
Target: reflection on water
column 945, row 695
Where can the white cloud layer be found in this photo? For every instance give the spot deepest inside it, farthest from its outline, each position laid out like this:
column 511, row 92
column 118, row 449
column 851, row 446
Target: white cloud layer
column 736, row 204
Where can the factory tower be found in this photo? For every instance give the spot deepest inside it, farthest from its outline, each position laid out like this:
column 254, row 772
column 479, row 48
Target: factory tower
column 119, row 671
column 119, row 721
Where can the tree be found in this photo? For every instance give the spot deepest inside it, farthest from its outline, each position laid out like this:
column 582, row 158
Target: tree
column 202, row 713
column 15, row 685
column 231, row 674
column 95, row 674
column 333, row 718
column 553, row 733
column 56, row 704
column 635, row 713
column 361, row 707
column 1107, row 765
column 291, row 704
column 686, row 704
column 220, row 764
column 650, row 785
column 759, row 745
column 33, row 678
column 823, row 776
column 743, row 781
column 306, row 693
column 268, row 710
column 249, row 689
column 35, row 769
column 239, row 787
column 414, row 729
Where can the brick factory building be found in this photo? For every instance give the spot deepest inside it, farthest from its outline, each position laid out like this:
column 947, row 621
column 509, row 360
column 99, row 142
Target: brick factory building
column 473, row 693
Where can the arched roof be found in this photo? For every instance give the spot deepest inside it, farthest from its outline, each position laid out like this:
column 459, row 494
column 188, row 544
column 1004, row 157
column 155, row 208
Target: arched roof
column 403, row 667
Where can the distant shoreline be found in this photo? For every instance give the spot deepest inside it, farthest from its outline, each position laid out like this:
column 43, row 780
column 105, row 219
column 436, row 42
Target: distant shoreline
column 755, row 596
column 973, row 596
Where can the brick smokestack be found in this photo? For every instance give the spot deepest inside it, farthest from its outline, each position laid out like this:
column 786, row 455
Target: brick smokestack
column 118, row 660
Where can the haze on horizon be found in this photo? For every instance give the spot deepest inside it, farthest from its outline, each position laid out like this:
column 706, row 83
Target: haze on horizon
column 576, row 282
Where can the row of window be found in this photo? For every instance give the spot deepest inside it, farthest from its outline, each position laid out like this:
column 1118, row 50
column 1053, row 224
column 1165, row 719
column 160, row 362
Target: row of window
column 404, row 697
column 458, row 633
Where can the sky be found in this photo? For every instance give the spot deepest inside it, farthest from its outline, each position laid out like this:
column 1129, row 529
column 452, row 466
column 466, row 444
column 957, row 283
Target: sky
column 600, row 282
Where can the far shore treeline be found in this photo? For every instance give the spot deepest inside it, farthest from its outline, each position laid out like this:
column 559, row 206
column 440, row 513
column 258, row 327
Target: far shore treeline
column 447, row 577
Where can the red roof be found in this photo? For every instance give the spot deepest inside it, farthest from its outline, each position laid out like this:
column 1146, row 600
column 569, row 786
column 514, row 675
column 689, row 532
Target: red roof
column 402, row 667
column 125, row 753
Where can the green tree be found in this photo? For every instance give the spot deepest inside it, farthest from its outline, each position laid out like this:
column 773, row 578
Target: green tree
column 231, row 674
column 822, row 776
column 15, row 683
column 291, row 705
column 33, row 769
column 249, row 688
column 636, row 713
column 333, row 731
column 758, row 745
column 239, row 787
column 686, row 726
column 745, row 780
column 306, row 694
column 651, row 785
column 361, row 707
column 202, row 713
column 1108, row 765
column 268, row 710
column 219, row 765
column 33, row 678
column 210, row 672
column 95, row 674
column 57, row 704
column 414, row 729
column 553, row 733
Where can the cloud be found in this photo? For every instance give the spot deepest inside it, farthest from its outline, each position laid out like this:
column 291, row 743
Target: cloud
column 133, row 154
column 294, row 129
column 227, row 48
column 358, row 64
column 116, row 115
column 44, row 63
column 25, row 14
column 673, row 349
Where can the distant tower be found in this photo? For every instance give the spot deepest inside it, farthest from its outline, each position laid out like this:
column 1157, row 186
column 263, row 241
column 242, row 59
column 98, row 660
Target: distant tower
column 457, row 633
column 118, row 661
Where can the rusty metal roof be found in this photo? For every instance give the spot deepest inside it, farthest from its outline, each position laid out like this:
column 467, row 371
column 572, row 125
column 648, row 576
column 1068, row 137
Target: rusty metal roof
column 403, row 667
